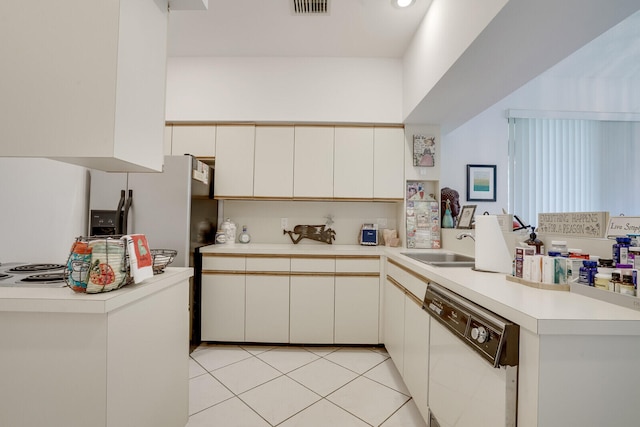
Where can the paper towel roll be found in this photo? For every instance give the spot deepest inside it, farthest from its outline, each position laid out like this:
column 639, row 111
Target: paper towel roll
column 492, row 252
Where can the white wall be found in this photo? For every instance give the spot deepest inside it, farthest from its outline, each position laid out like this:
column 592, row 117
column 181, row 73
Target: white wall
column 284, row 89
column 449, row 27
column 484, row 139
column 45, row 205
column 262, row 218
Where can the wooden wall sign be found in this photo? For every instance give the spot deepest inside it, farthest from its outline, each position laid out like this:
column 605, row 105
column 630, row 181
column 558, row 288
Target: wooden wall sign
column 620, row 226
column 576, row 224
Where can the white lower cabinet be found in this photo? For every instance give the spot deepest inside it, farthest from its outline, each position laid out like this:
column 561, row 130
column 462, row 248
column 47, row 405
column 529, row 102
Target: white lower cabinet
column 416, row 353
column 267, row 308
column 312, row 309
column 290, row 299
column 406, row 332
column 223, row 303
column 394, row 323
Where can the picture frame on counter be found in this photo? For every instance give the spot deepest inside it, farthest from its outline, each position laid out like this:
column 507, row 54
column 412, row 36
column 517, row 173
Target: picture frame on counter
column 481, row 183
column 465, row 219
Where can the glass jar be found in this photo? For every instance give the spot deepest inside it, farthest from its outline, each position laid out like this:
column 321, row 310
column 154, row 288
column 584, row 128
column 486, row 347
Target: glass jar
column 626, row 287
column 588, row 272
column 616, row 279
column 620, row 250
column 602, row 279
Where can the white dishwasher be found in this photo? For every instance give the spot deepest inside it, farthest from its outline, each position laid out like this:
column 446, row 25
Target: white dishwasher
column 473, row 363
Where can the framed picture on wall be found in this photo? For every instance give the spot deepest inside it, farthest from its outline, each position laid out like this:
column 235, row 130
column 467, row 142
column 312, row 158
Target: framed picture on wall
column 424, row 150
column 481, row 183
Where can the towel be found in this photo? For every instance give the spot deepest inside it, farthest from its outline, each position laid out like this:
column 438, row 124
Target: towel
column 108, row 269
column 140, row 259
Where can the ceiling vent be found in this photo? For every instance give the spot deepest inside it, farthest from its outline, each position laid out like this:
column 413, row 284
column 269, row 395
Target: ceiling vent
column 310, row 7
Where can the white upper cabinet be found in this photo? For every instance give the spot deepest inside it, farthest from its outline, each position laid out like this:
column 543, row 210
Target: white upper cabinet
column 199, row 141
column 84, row 82
column 234, row 161
column 353, row 167
column 388, row 160
column 313, row 164
column 273, row 171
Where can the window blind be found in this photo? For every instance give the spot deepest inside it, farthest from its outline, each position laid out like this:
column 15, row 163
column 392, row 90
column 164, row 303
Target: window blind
column 573, row 165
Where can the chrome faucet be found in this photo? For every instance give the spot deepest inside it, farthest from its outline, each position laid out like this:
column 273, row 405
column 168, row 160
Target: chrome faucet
column 463, row 235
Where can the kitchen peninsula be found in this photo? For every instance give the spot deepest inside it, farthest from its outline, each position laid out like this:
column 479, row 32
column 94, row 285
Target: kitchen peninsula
column 578, row 355
column 113, row 359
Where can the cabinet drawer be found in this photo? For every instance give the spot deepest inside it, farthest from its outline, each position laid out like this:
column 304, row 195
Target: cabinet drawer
column 223, row 263
column 417, row 286
column 267, row 264
column 358, row 265
column 314, row 265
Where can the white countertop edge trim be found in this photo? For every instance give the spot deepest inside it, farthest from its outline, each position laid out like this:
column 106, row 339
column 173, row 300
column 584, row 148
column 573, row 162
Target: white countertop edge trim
column 64, row 300
column 626, row 321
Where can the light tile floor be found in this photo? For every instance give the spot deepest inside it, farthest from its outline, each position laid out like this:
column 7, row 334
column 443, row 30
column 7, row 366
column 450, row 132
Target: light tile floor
column 288, row 386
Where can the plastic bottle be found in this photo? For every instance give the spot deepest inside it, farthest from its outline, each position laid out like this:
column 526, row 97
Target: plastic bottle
column 620, row 250
column 535, row 242
column 603, row 278
column 559, row 246
column 588, row 272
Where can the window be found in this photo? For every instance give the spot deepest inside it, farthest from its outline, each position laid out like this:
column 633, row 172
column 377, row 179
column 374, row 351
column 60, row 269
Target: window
column 573, row 165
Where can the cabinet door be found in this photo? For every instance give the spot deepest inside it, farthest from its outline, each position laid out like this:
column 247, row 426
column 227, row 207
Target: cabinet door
column 388, row 160
column 357, row 308
column 267, row 308
column 416, row 354
column 168, row 131
column 353, row 167
column 199, row 141
column 313, row 162
column 223, row 302
column 394, row 323
column 234, row 161
column 312, row 305
column 273, row 170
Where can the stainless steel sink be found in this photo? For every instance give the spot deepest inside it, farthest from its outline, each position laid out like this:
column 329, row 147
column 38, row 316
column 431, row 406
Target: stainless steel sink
column 442, row 259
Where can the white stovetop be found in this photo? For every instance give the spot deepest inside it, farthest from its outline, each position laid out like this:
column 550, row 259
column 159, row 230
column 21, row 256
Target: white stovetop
column 541, row 311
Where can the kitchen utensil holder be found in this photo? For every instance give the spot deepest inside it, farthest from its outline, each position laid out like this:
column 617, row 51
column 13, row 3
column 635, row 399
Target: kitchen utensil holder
column 97, row 264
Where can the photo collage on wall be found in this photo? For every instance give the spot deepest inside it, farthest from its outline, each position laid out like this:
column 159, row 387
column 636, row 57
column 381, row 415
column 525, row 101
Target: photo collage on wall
column 423, row 217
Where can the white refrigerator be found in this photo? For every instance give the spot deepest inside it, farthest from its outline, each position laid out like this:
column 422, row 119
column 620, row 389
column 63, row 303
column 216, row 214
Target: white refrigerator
column 175, row 209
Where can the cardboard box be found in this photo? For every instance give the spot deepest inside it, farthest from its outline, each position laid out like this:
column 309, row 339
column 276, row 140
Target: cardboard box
column 521, row 252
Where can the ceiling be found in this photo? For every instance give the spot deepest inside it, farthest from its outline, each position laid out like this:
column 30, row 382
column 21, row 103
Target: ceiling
column 352, row 28
column 376, row 29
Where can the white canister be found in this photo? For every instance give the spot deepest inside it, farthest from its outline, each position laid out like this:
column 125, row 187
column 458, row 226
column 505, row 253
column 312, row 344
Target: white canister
column 229, row 229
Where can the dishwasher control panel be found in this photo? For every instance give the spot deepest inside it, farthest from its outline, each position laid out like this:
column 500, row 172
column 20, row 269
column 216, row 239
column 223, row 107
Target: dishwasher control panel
column 493, row 337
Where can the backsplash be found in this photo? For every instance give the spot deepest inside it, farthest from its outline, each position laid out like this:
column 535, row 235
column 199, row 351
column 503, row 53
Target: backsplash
column 263, row 218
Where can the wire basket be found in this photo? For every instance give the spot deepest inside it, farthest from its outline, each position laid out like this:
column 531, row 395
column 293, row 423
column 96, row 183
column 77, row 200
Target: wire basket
column 97, row 264
column 162, row 258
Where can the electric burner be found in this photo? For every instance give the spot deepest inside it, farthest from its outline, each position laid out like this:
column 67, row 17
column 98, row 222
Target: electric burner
column 36, row 275
column 44, row 278
column 34, row 268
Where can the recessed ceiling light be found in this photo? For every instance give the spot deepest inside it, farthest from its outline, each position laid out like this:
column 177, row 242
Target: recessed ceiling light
column 402, row 3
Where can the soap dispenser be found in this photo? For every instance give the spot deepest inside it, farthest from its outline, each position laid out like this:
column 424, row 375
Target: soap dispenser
column 534, row 241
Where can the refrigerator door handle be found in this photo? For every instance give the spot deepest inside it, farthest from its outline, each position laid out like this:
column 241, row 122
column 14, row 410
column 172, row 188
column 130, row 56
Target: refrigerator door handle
column 119, row 212
column 125, row 218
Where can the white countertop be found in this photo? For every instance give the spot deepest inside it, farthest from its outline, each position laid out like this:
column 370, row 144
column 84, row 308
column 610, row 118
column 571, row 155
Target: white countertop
column 64, row 300
column 543, row 312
